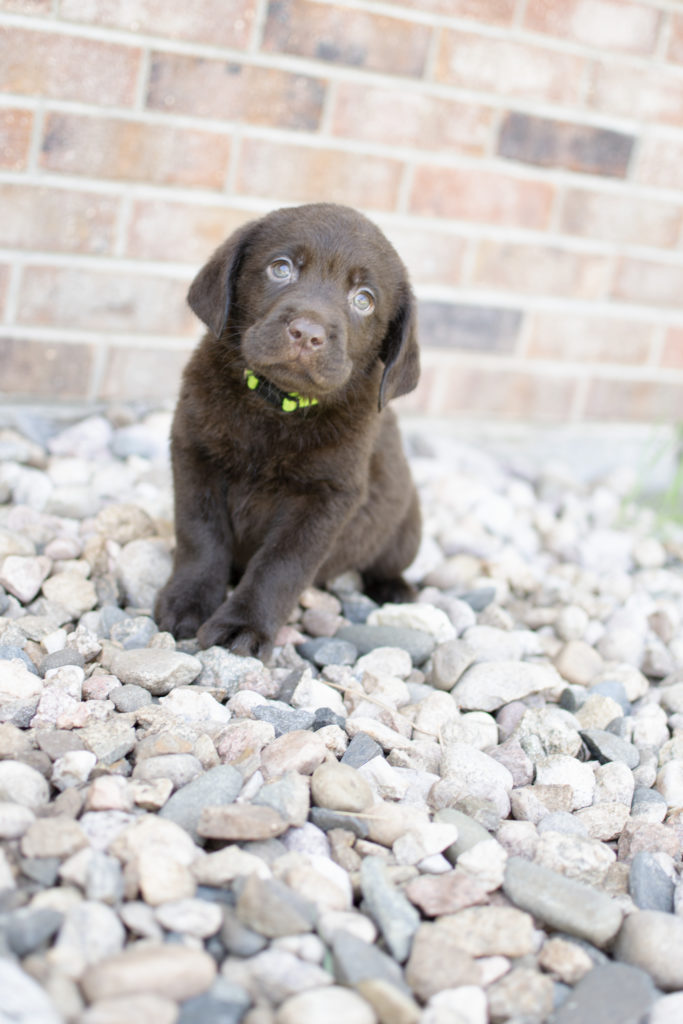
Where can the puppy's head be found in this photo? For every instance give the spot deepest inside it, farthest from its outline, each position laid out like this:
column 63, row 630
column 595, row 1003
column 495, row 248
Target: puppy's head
column 315, row 297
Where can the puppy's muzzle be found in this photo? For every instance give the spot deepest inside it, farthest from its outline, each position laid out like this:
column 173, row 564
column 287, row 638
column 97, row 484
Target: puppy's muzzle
column 305, row 337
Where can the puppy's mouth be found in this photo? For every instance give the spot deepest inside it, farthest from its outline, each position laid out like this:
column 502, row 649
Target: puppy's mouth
column 313, row 371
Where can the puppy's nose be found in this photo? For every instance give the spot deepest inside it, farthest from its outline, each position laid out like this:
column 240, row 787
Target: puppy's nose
column 306, row 333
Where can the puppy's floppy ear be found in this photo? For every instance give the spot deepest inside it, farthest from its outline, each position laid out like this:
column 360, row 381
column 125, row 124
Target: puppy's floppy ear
column 211, row 291
column 400, row 352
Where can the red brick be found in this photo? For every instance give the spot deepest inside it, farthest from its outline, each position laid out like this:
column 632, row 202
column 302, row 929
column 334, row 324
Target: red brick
column 639, row 400
column 56, row 220
column 221, row 22
column 403, row 117
column 626, row 91
column 181, row 232
column 64, row 67
column 432, row 257
column 676, row 44
column 589, row 339
column 36, row 7
column 484, row 196
column 15, row 138
column 510, row 69
column 649, row 283
column 141, row 374
column 490, row 12
column 661, row 162
column 48, row 370
column 303, row 174
column 621, row 219
column 672, row 354
column 104, row 300
column 235, row 92
column 603, row 24
column 134, row 151
column 541, row 270
column 4, row 279
column 504, row 394
column 575, row 147
column 343, row 36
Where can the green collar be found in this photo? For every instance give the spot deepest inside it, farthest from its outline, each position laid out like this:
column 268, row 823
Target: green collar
column 286, row 401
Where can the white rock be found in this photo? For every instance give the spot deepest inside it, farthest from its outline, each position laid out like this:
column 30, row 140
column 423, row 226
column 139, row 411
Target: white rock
column 566, row 771
column 423, row 841
column 476, row 774
column 670, row 783
column 425, row 617
column 464, row 1005
column 199, row 918
column 21, row 784
column 383, row 661
column 312, row 694
column 333, row 1004
column 486, row 862
column 489, row 685
column 23, row 575
column 14, row 820
column 72, row 769
column 195, row 707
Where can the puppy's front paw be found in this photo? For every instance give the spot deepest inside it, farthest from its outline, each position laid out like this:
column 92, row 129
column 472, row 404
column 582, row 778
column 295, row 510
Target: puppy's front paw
column 221, row 630
column 393, row 591
column 181, row 608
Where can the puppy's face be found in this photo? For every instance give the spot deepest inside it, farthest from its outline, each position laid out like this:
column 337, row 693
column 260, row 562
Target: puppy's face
column 314, row 296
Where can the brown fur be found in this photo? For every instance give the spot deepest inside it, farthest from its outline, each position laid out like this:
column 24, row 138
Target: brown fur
column 278, row 500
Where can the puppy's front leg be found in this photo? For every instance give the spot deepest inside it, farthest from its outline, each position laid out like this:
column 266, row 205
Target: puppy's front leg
column 203, row 545
column 295, row 547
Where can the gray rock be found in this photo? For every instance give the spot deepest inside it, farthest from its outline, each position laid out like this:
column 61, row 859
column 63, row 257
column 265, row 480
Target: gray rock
column 271, row 908
column 226, row 671
column 237, row 938
column 562, row 903
column 289, row 796
column 132, row 632
column 366, row 638
column 28, row 930
column 328, row 651
column 653, row 941
column 356, row 961
column 360, row 750
column 605, row 746
column 648, row 805
column 43, row 870
column 615, row 689
column 394, row 915
column 219, row 785
column 224, row 1003
column 65, row 657
column 130, row 697
column 651, row 888
column 326, row 819
column 10, row 651
column 470, row 832
column 283, row 718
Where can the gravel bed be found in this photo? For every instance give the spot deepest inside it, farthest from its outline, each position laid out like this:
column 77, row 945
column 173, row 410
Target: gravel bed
column 464, row 810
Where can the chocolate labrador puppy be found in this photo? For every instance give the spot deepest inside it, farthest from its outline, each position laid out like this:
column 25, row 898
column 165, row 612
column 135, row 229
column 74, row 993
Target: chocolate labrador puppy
column 288, row 469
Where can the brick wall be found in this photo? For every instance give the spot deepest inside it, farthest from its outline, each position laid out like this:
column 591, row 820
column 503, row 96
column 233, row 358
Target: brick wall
column 525, row 156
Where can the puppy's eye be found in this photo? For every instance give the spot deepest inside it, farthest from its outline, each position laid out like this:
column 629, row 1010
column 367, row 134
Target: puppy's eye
column 281, row 270
column 363, row 301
